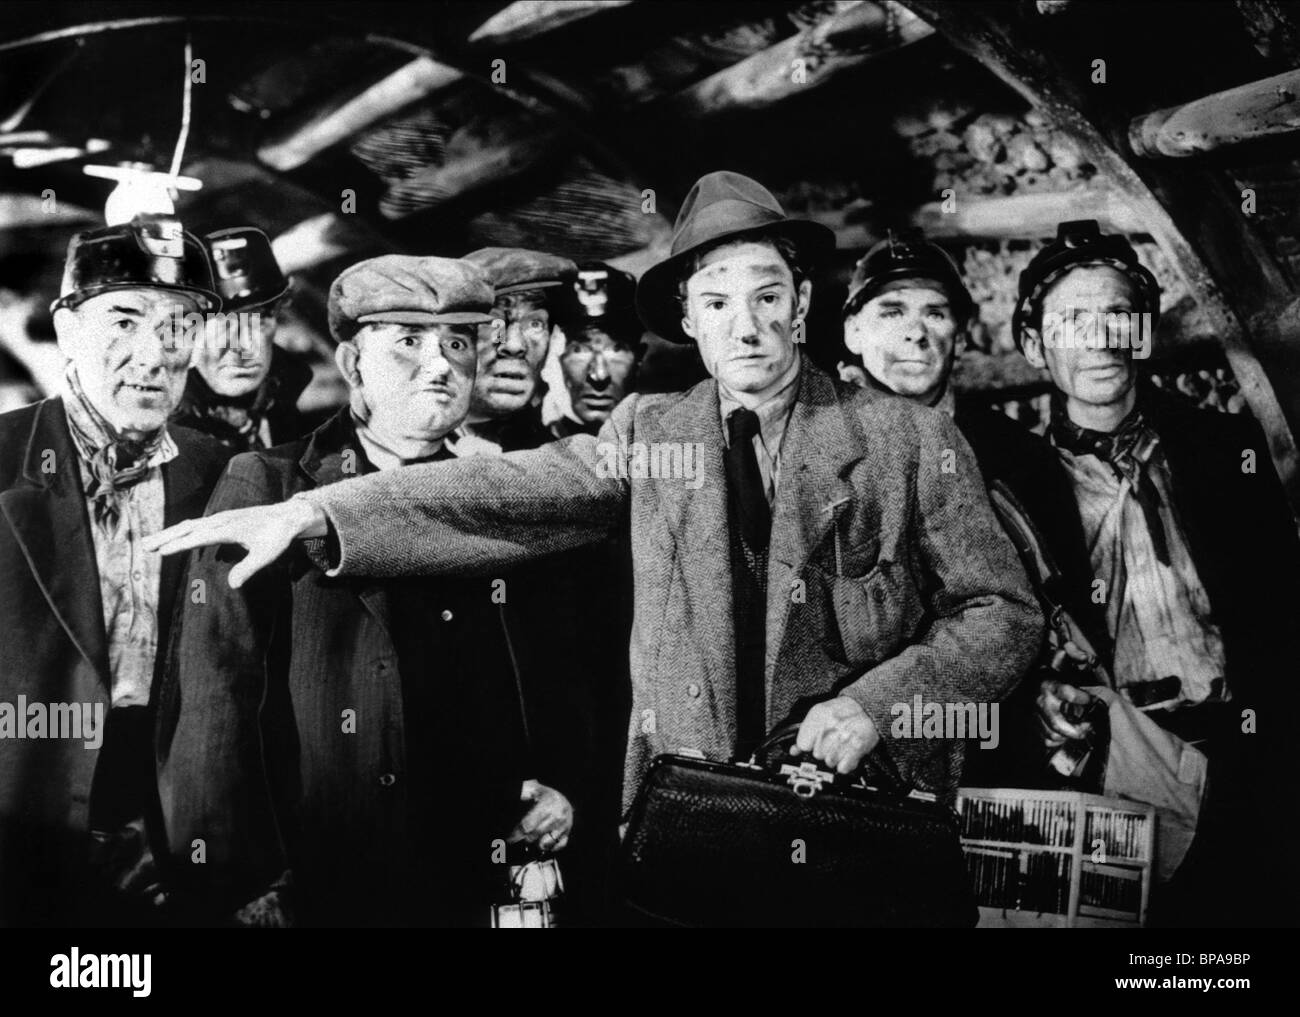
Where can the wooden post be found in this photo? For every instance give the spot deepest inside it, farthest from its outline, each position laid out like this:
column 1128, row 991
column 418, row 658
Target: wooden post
column 1261, row 109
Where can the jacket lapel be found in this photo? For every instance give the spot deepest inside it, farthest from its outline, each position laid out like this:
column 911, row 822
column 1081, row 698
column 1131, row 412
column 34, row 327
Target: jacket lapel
column 334, row 453
column 696, row 516
column 819, row 450
column 48, row 514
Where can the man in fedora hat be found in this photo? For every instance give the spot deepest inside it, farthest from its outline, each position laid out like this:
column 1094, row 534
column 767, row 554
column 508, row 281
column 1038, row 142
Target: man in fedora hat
column 84, row 477
column 366, row 737
column 243, row 389
column 815, row 561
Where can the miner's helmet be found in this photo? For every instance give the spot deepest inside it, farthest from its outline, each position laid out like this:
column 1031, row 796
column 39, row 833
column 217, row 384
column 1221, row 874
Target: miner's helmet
column 149, row 252
column 1080, row 242
column 601, row 297
column 907, row 256
column 245, row 270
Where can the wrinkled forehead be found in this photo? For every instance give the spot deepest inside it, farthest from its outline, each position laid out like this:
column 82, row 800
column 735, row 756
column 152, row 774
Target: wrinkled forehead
column 739, row 266
column 144, row 302
column 1089, row 286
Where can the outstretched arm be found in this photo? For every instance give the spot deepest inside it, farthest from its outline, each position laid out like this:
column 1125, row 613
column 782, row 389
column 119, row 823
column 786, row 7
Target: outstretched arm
column 470, row 515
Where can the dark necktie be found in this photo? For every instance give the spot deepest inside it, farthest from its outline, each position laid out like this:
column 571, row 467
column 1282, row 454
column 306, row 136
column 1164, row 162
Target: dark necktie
column 745, row 481
column 752, row 523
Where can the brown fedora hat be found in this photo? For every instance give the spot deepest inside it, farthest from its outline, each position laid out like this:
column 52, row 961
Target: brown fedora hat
column 721, row 206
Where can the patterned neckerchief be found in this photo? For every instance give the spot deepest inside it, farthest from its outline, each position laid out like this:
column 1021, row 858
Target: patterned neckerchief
column 115, row 463
column 1128, row 450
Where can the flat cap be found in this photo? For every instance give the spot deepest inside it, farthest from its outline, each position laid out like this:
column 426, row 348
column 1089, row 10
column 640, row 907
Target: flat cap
column 408, row 290
column 511, row 269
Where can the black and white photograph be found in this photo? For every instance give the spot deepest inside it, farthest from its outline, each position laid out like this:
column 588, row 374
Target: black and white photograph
column 809, row 466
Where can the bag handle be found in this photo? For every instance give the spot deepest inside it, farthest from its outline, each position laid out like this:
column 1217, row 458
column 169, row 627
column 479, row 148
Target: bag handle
column 877, row 768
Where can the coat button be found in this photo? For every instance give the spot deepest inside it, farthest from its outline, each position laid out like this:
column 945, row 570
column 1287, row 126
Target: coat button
column 693, row 690
column 447, row 616
column 387, row 779
column 877, row 594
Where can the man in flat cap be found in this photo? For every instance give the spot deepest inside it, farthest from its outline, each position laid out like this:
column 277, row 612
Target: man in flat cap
column 85, row 476
column 390, row 752
column 815, row 563
column 550, row 597
column 243, row 389
column 597, row 349
column 1159, row 518
column 505, row 412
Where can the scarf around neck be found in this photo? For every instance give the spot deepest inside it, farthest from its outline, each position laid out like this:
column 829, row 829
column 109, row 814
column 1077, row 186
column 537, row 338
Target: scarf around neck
column 116, row 463
column 1127, row 450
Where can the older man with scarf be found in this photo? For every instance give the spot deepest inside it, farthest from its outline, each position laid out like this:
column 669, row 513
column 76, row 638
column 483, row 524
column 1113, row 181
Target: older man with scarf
column 84, row 478
column 1162, row 519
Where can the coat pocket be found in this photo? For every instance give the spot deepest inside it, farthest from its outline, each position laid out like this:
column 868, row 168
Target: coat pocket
column 876, row 614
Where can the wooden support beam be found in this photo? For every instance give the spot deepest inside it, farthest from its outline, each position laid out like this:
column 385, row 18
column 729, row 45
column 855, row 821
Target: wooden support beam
column 18, row 211
column 1026, row 216
column 313, row 242
column 808, row 60
column 1261, row 109
column 1014, row 217
column 527, row 18
column 1199, row 224
column 473, row 161
column 339, row 119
